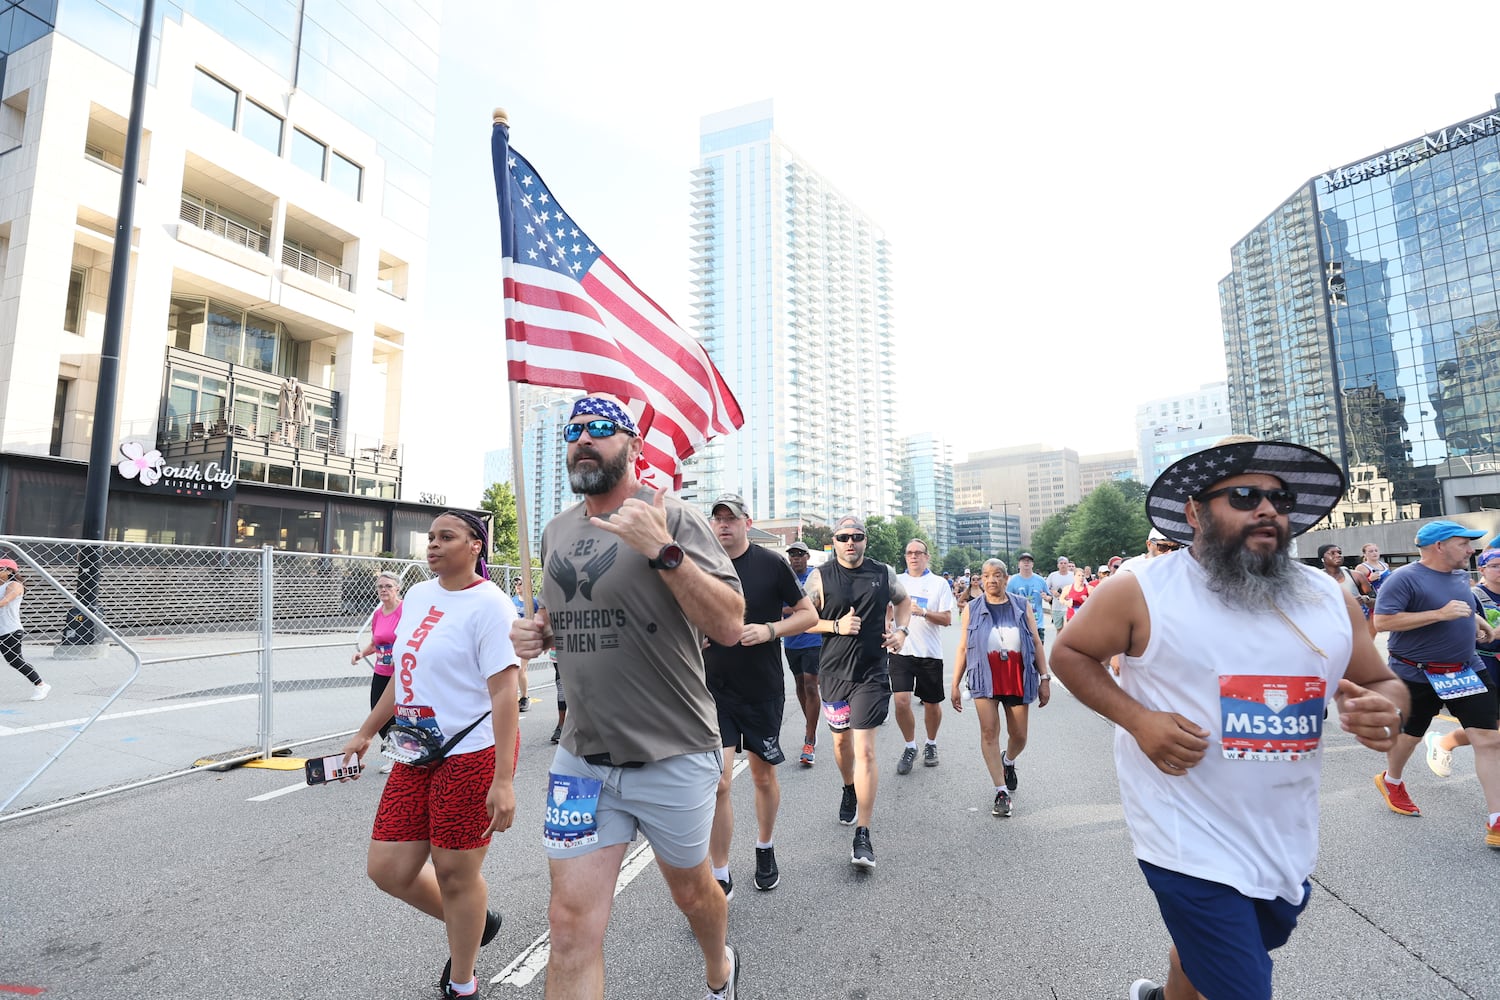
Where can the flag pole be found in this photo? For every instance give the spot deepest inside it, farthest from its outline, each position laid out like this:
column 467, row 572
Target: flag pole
column 500, row 154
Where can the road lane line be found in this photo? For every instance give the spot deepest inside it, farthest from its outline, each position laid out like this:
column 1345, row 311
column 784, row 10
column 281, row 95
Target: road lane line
column 280, row 792
column 533, row 960
column 68, row 723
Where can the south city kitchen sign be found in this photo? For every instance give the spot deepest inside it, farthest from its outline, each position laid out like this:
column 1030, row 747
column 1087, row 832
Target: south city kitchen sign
column 1415, row 151
column 149, row 470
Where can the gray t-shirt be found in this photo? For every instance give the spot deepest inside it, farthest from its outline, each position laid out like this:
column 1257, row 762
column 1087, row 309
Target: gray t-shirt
column 1058, row 581
column 631, row 660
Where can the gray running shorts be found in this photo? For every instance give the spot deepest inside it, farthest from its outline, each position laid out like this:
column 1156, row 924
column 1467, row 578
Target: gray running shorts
column 670, row 801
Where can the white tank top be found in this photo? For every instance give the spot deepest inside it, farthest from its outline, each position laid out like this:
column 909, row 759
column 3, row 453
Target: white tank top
column 10, row 614
column 1247, row 815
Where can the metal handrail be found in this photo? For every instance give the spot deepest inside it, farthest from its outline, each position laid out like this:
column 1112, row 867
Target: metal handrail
column 322, row 270
column 212, row 222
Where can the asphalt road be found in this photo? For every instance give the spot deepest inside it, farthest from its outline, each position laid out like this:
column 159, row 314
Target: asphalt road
column 193, row 888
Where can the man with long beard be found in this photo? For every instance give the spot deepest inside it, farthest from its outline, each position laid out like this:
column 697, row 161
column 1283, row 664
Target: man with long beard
column 635, row 581
column 1231, row 652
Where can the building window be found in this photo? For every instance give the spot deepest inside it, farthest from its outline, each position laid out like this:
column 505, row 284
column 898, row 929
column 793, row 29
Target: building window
column 59, row 413
column 261, row 127
column 345, row 175
column 215, row 98
column 73, row 313
column 308, row 153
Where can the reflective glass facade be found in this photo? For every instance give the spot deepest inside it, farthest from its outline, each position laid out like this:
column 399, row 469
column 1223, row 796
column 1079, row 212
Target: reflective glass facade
column 1362, row 319
column 373, row 64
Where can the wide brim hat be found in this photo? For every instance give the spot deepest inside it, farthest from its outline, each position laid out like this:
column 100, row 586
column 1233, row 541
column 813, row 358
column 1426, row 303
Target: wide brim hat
column 1314, row 477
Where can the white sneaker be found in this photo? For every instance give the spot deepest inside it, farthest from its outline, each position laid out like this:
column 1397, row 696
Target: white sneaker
column 1438, row 759
column 42, row 690
column 385, row 769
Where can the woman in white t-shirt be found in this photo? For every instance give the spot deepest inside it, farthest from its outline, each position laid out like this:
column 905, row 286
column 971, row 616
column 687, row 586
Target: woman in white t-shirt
column 453, row 678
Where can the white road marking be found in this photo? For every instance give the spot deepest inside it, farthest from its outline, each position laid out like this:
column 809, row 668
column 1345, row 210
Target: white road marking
column 533, row 960
column 280, row 791
column 69, row 723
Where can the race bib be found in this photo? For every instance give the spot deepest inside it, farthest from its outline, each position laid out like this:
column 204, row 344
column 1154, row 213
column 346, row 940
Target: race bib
column 420, row 717
column 920, row 602
column 384, row 655
column 837, row 714
column 1271, row 718
column 572, row 818
column 1459, row 683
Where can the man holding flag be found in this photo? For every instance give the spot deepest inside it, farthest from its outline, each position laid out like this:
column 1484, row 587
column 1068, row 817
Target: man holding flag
column 635, row 582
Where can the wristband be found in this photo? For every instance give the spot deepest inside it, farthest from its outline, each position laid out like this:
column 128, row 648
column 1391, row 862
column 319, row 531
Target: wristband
column 836, row 627
column 770, row 632
column 1044, row 677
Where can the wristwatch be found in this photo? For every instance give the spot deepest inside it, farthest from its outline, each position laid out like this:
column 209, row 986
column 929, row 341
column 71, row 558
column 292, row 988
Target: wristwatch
column 670, row 557
column 903, row 630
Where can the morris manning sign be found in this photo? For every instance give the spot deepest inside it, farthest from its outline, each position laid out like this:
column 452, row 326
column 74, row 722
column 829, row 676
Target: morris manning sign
column 1418, row 149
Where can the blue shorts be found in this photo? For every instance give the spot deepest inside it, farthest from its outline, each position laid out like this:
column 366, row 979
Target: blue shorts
column 1224, row 939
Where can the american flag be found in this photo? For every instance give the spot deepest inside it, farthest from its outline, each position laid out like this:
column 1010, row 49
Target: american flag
column 573, row 320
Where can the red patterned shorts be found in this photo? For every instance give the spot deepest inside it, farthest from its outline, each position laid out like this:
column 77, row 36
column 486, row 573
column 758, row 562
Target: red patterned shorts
column 441, row 803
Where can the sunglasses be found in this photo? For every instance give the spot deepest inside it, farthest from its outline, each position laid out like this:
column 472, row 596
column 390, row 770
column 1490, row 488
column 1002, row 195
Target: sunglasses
column 1249, row 498
column 856, row 537
column 600, row 428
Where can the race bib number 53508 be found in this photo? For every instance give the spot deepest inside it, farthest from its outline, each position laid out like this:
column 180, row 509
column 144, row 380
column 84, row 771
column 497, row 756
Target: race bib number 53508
column 1269, row 717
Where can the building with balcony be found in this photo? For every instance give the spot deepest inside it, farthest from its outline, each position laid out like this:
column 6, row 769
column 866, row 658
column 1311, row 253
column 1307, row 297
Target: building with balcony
column 1173, row 427
column 277, row 272
column 792, row 298
column 1362, row 318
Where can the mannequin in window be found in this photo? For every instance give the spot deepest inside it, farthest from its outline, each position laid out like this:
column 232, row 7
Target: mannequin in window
column 290, row 412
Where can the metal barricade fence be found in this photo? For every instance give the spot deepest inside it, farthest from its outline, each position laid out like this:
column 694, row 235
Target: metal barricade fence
column 200, row 658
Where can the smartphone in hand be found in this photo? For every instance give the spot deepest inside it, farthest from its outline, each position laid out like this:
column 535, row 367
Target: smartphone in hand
column 321, row 770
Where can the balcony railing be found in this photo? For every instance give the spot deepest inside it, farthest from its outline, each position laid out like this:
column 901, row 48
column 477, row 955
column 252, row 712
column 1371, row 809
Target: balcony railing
column 254, row 426
column 213, row 222
column 323, row 271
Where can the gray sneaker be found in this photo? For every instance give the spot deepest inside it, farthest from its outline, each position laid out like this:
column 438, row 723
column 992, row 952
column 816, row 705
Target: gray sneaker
column 731, row 988
column 908, row 757
column 1002, row 804
column 929, row 755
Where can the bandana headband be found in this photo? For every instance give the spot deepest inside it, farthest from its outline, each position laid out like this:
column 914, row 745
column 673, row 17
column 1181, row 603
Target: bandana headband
column 599, row 406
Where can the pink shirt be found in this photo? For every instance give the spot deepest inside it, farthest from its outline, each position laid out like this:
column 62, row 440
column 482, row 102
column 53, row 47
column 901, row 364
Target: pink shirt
column 383, row 632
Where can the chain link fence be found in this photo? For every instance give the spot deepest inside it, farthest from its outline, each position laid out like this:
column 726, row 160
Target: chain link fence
column 163, row 660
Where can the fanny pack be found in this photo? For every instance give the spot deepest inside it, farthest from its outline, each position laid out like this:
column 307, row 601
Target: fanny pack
column 416, row 746
column 1437, row 668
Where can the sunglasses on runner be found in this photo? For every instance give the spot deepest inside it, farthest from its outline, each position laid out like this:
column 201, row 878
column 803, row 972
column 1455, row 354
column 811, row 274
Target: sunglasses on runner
column 856, row 537
column 1249, row 498
column 599, row 428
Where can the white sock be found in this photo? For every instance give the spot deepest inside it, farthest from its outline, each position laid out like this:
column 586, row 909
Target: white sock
column 932, row 743
column 761, row 847
column 465, row 989
column 722, row 874
column 1005, row 758
column 1398, row 782
column 911, row 744
column 999, row 788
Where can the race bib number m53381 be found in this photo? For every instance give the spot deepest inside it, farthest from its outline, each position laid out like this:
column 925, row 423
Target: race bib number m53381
column 1271, row 717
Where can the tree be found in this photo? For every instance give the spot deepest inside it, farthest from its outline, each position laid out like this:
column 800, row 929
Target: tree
column 1046, row 539
column 881, row 543
column 1106, row 524
column 905, row 529
column 961, row 558
column 500, row 501
column 817, row 537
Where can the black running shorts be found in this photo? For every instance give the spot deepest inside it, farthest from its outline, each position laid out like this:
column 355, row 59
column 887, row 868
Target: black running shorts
column 922, row 674
column 860, row 704
column 754, row 727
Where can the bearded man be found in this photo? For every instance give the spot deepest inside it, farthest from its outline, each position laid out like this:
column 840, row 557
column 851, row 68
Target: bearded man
column 1231, row 652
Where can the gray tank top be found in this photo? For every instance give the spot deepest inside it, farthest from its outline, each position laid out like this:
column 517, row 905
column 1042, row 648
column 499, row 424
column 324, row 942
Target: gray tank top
column 10, row 616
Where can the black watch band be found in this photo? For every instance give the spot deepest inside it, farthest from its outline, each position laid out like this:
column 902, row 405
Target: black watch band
column 670, row 557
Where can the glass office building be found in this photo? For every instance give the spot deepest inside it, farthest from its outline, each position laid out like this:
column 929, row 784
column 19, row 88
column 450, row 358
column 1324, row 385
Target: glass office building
column 1361, row 318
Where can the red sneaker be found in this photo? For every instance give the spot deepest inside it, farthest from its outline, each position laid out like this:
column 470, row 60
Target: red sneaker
column 808, row 754
column 1396, row 798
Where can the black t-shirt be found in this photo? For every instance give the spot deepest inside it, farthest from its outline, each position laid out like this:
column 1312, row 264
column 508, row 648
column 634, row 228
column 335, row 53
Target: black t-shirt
column 753, row 673
column 866, row 589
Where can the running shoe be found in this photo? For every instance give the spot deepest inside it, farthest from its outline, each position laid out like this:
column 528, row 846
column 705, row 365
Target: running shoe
column 492, row 922
column 929, row 755
column 556, row 734
column 730, row 989
column 862, row 855
column 1002, row 804
column 449, row 992
column 1145, row 989
column 767, row 875
column 1011, row 781
column 1396, row 798
column 524, row 703
column 808, row 752
column 848, row 806
column 908, row 757
column 1438, row 759
column 1492, row 835
column 42, row 690
column 727, row 884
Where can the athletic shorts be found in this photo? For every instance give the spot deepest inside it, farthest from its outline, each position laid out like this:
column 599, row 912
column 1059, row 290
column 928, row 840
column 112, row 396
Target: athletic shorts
column 804, row 661
column 562, row 702
column 922, row 674
column 752, row 726
column 671, row 801
column 1223, row 938
column 1477, row 711
column 859, row 704
column 441, row 803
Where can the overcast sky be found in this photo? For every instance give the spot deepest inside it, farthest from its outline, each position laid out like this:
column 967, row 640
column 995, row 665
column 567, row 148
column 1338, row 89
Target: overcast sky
column 1061, row 184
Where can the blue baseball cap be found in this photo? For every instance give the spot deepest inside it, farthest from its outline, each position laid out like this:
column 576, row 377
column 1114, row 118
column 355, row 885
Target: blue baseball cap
column 1441, row 531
